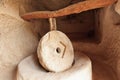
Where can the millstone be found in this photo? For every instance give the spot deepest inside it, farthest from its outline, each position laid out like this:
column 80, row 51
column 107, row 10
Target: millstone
column 55, row 51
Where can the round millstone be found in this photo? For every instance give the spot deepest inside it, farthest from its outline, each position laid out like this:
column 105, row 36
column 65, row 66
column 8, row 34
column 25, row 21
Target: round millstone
column 55, row 51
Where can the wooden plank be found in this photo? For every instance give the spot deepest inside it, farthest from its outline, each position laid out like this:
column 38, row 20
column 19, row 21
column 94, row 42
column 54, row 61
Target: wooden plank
column 75, row 8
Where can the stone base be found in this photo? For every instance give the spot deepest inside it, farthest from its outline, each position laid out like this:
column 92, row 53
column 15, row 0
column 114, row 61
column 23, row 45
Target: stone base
column 30, row 69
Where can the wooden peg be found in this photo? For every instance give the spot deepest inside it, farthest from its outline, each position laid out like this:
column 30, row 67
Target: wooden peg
column 53, row 25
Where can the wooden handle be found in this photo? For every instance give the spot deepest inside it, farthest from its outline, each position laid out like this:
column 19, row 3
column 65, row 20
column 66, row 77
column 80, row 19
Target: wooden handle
column 75, row 8
column 53, row 25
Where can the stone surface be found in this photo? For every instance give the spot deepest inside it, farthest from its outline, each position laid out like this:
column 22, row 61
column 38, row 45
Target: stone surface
column 54, row 5
column 17, row 39
column 117, row 7
column 16, row 42
column 29, row 69
column 104, row 54
column 54, row 49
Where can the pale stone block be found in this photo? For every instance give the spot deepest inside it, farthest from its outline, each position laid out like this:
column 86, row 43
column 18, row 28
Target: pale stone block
column 30, row 69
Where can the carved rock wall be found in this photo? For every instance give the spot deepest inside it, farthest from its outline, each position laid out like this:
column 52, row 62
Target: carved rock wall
column 105, row 55
column 17, row 38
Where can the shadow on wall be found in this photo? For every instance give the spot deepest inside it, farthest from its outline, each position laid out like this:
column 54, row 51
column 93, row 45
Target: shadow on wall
column 19, row 39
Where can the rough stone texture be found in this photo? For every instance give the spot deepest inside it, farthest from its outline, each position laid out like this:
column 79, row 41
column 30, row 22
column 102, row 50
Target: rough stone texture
column 105, row 54
column 117, row 7
column 81, row 70
column 17, row 39
column 54, row 5
column 54, row 49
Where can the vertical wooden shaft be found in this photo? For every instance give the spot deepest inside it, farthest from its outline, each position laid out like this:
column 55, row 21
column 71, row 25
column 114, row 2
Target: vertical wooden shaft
column 53, row 25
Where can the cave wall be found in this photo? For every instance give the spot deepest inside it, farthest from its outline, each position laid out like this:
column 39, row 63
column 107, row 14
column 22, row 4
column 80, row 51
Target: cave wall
column 19, row 38
column 105, row 55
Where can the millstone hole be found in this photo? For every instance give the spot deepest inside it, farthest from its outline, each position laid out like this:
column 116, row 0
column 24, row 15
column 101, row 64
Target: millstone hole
column 58, row 50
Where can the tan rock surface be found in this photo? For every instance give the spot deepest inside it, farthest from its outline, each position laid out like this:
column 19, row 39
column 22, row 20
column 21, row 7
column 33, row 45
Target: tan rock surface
column 117, row 7
column 104, row 54
column 54, row 5
column 55, row 49
column 17, row 39
column 29, row 69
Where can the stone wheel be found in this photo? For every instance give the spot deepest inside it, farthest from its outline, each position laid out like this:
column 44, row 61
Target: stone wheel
column 55, row 51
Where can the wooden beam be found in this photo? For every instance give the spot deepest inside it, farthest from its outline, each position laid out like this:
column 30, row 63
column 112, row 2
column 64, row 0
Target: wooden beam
column 72, row 9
